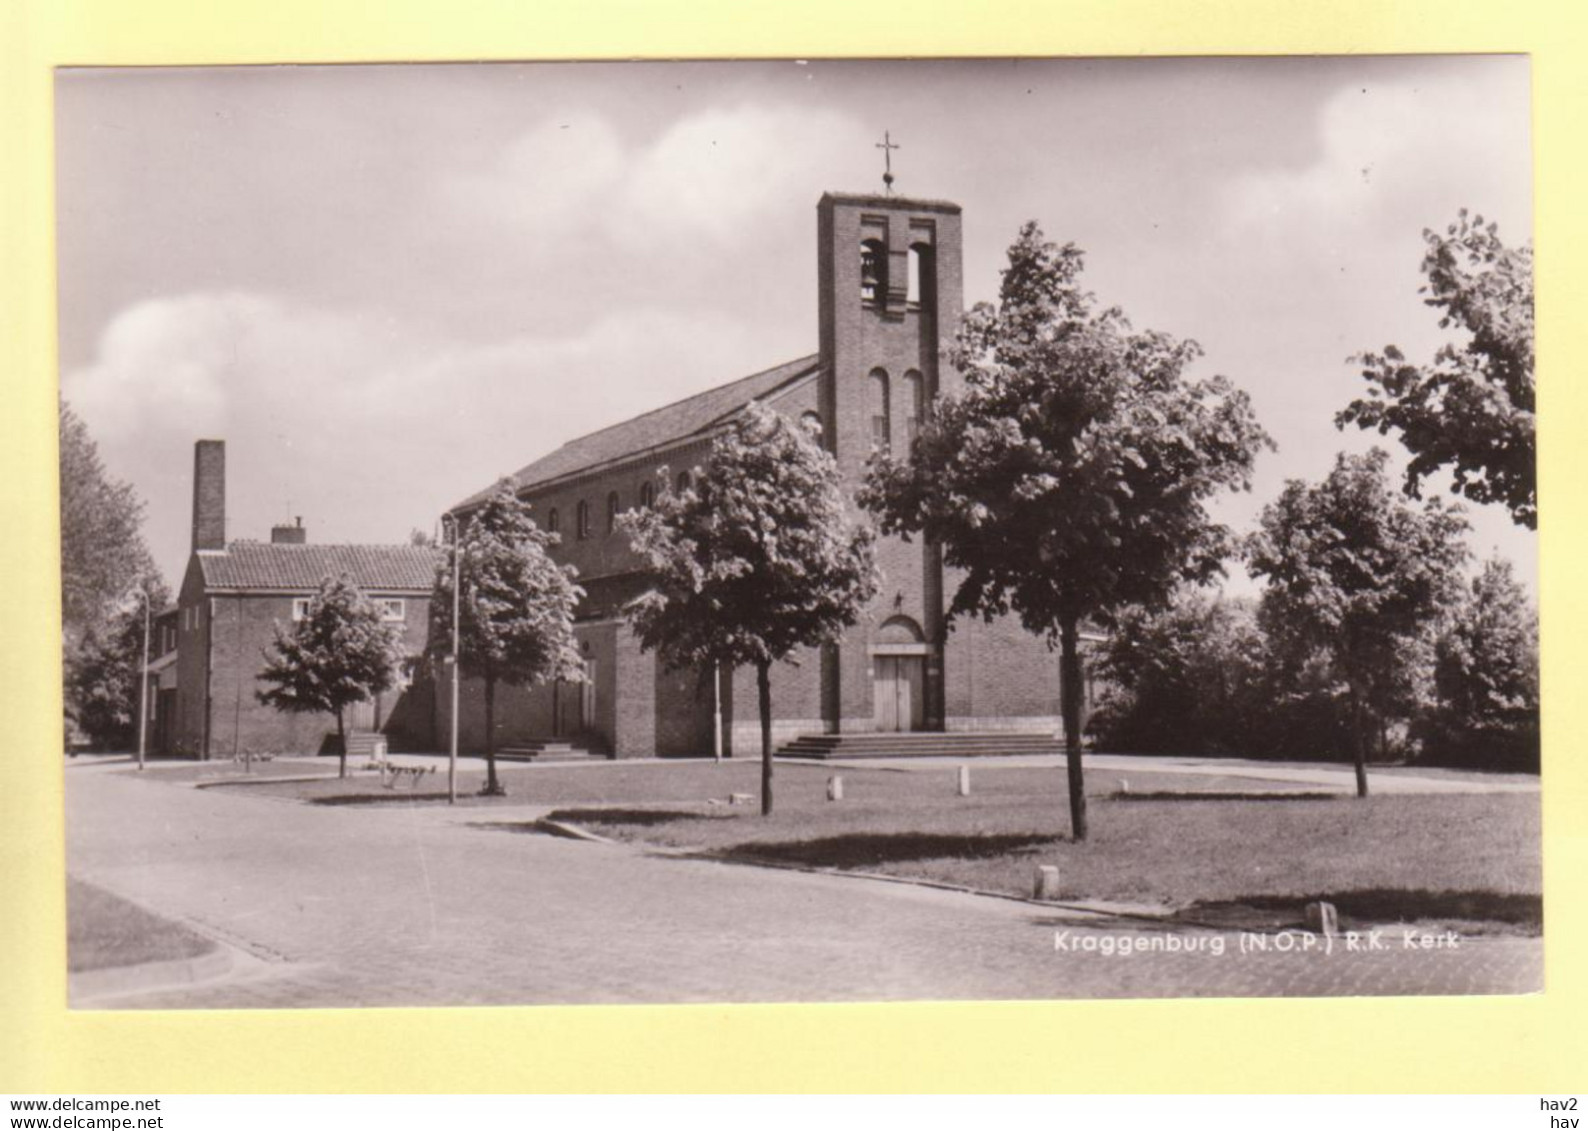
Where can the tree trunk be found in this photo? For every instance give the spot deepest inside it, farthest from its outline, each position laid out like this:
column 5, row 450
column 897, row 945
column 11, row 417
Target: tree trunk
column 493, row 787
column 1071, row 689
column 341, row 742
column 763, row 687
column 1359, row 742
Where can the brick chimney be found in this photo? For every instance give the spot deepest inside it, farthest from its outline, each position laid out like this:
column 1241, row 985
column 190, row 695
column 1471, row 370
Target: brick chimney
column 209, row 495
column 294, row 535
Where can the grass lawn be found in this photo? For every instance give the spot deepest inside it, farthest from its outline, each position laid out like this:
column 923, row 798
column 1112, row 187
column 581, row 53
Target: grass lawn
column 1457, row 858
column 1195, row 841
column 186, row 772
column 104, row 930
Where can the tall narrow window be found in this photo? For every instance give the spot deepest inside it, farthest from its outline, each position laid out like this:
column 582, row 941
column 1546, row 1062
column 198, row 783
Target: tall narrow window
column 612, row 511
column 685, row 481
column 873, row 271
column 582, row 520
column 647, row 494
column 553, row 522
column 877, row 398
column 812, row 423
column 923, row 276
column 914, row 405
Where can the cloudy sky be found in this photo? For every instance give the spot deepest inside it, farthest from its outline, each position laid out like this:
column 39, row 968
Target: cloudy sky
column 385, row 286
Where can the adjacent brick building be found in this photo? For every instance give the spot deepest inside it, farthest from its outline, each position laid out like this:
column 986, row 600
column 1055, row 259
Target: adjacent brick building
column 233, row 596
column 890, row 299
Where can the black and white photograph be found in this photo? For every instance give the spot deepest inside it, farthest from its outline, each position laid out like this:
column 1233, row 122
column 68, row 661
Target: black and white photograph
column 801, row 530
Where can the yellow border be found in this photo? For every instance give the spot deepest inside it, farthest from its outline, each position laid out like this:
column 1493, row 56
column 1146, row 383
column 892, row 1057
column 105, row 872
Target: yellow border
column 1508, row 1044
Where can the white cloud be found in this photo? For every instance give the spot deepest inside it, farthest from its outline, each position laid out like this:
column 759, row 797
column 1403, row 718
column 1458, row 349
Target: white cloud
column 551, row 178
column 714, row 174
column 1393, row 155
column 363, row 426
column 719, row 172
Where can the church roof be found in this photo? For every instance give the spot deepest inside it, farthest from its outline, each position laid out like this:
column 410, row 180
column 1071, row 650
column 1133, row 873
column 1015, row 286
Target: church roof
column 682, row 420
column 278, row 565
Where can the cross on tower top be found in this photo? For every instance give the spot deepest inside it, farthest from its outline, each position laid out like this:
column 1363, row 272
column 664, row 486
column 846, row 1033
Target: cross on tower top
column 887, row 146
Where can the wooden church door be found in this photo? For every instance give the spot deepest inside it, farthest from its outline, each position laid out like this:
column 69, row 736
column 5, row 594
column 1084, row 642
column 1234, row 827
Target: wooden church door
column 899, row 699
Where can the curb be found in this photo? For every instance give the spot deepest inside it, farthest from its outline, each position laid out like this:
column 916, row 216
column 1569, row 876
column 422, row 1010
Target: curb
column 215, row 783
column 573, row 832
column 84, row 985
column 1099, row 910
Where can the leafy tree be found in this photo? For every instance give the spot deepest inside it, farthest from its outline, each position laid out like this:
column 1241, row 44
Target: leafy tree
column 104, row 673
column 1069, row 480
column 1471, row 408
column 103, row 560
column 102, row 550
column 339, row 654
column 1356, row 576
column 758, row 558
column 1186, row 678
column 517, row 607
column 1486, row 677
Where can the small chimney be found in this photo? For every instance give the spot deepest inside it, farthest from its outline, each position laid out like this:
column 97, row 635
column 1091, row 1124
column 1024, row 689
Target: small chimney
column 209, row 495
column 294, row 535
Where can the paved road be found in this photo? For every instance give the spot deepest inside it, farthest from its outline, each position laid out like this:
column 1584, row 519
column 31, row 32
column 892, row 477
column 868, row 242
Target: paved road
column 404, row 905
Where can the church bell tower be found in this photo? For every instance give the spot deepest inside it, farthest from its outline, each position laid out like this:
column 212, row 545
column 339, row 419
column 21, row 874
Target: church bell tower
column 890, row 294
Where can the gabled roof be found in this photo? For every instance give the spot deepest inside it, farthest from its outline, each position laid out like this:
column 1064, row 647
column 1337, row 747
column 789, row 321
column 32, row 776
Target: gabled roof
column 277, row 565
column 681, row 420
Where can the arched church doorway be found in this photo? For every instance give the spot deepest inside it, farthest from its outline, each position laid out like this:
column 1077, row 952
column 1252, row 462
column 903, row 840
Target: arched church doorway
column 898, row 665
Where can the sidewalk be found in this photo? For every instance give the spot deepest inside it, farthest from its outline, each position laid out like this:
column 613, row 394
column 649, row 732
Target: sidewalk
column 1331, row 777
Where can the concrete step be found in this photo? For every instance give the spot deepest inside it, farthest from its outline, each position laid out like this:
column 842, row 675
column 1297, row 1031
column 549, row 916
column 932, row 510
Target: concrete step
column 361, row 743
column 552, row 750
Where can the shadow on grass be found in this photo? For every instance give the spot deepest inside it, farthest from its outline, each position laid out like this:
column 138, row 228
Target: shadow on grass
column 858, row 850
column 1376, row 906
column 378, row 798
column 1225, row 795
column 620, row 816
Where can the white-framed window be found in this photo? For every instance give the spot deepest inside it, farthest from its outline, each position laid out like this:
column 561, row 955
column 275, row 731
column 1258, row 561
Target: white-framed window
column 391, row 608
column 300, row 607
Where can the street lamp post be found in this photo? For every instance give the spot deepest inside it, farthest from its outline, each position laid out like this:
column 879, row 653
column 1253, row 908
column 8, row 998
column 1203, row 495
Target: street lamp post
column 143, row 694
column 457, row 589
column 716, row 710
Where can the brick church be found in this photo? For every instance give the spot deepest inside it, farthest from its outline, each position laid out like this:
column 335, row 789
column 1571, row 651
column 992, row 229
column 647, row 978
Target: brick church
column 890, row 298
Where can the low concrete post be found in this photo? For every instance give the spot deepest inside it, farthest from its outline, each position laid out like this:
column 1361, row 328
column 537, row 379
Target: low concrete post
column 1045, row 883
column 1323, row 919
column 835, row 788
column 964, row 781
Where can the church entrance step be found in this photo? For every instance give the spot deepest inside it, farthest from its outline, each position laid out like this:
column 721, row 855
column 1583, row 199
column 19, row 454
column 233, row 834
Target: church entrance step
column 552, row 750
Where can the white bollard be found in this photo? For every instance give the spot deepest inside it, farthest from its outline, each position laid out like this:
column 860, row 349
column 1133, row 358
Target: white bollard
column 1323, row 919
column 1046, row 882
column 835, row 788
column 964, row 781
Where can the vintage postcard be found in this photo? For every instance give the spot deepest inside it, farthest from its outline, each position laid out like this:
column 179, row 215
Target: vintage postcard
column 798, row 531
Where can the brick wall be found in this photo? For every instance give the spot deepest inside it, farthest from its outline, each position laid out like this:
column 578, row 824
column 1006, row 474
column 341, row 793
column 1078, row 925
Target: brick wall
column 192, row 667
column 239, row 629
